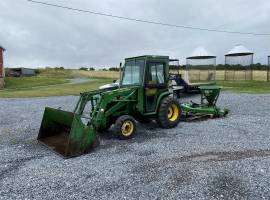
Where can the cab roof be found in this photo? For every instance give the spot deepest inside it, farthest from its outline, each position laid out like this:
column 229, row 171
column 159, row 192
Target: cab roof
column 149, row 56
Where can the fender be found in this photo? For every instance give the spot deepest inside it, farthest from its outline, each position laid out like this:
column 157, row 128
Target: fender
column 163, row 95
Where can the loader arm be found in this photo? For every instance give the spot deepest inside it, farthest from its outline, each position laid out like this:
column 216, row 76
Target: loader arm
column 85, row 97
column 114, row 104
column 105, row 105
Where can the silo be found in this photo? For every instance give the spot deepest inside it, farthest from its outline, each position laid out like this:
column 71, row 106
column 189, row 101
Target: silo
column 239, row 55
column 238, row 63
column 200, row 65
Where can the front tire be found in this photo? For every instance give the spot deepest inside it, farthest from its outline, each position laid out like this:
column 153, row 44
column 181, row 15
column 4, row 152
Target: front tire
column 125, row 127
column 101, row 130
column 169, row 113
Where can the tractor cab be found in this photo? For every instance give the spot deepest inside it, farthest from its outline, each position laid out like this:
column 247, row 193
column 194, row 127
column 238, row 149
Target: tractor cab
column 149, row 72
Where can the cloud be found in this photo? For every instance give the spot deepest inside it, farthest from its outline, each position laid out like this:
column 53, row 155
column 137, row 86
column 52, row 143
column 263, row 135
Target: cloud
column 36, row 35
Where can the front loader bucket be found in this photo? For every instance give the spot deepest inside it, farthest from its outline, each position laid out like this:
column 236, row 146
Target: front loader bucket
column 65, row 133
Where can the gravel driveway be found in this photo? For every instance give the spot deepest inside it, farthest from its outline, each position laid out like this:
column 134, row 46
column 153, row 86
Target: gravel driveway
column 227, row 158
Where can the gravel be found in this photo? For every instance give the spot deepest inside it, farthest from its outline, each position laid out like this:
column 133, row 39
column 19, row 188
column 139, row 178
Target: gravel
column 226, row 158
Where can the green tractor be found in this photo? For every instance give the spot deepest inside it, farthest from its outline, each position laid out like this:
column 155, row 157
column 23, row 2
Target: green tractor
column 143, row 95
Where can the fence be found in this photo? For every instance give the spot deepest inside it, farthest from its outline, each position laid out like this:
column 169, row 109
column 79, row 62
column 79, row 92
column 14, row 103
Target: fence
column 227, row 75
column 201, row 75
column 238, row 75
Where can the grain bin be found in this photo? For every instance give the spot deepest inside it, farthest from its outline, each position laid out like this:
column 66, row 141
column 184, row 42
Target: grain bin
column 201, row 65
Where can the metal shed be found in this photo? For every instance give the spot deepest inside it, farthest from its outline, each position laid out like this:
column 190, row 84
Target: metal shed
column 239, row 55
column 201, row 65
column 19, row 72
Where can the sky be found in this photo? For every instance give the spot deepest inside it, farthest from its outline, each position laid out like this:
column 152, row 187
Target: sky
column 37, row 36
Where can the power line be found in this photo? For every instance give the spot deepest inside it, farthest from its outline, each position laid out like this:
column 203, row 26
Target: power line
column 149, row 21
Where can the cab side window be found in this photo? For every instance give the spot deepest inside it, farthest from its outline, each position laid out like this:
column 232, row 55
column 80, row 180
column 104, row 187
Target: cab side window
column 156, row 73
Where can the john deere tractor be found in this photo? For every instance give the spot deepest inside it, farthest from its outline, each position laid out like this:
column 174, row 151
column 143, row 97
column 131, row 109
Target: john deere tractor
column 143, row 95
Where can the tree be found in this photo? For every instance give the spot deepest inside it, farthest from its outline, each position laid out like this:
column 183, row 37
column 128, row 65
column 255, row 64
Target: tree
column 59, row 68
column 114, row 69
column 83, row 68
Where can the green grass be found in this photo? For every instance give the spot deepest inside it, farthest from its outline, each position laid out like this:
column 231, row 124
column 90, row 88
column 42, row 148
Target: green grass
column 256, row 87
column 55, row 90
column 46, row 77
column 27, row 82
column 49, row 82
column 56, row 73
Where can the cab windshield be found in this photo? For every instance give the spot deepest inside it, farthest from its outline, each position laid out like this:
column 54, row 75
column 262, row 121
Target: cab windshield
column 133, row 72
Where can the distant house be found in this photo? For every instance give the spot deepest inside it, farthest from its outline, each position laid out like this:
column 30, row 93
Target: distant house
column 2, row 71
column 19, row 72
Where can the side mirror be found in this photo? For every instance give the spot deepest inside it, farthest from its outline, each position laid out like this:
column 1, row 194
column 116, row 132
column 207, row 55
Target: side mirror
column 114, row 81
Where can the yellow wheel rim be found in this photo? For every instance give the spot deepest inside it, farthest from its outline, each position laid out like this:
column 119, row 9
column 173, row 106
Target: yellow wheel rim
column 127, row 128
column 173, row 112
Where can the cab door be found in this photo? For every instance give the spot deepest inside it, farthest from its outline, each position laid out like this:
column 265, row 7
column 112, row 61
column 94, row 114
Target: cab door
column 154, row 83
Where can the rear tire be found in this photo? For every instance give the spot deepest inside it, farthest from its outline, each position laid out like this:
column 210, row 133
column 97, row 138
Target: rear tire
column 169, row 113
column 125, row 127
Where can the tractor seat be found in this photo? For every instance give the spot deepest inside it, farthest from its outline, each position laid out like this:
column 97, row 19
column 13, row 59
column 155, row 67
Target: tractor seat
column 151, row 90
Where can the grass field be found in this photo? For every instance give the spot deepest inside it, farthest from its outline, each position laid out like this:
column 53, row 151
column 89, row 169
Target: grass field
column 28, row 82
column 51, row 82
column 98, row 74
column 55, row 90
column 246, row 86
